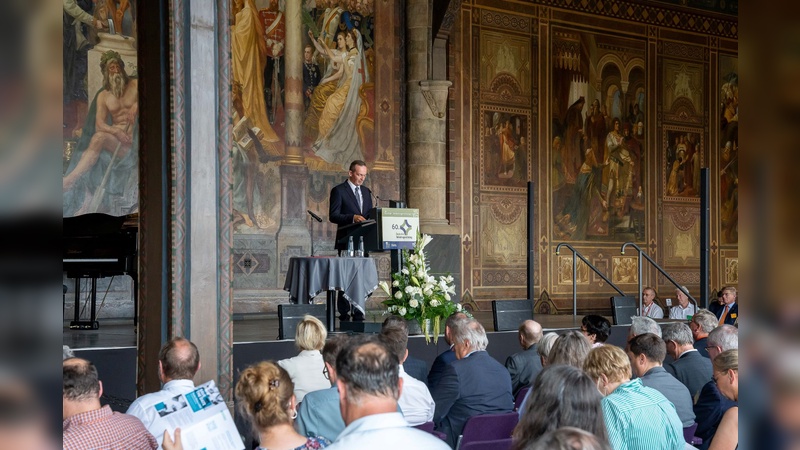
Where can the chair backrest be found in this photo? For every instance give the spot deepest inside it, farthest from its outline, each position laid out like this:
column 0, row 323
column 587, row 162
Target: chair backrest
column 427, row 426
column 487, row 427
column 520, row 397
column 497, row 444
column 688, row 433
column 508, row 314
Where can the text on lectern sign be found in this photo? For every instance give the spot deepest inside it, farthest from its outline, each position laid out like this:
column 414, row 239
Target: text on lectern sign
column 399, row 227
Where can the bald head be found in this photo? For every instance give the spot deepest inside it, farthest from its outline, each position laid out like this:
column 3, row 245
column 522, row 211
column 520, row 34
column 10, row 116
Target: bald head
column 530, row 332
column 179, row 359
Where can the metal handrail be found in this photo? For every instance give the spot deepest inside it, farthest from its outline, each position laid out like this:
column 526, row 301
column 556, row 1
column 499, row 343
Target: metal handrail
column 575, row 275
column 655, row 264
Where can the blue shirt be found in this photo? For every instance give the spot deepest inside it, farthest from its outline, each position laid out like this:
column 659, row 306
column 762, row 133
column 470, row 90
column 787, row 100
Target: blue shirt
column 319, row 415
column 641, row 418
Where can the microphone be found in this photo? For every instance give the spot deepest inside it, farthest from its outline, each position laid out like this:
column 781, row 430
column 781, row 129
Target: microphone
column 316, row 217
column 375, row 197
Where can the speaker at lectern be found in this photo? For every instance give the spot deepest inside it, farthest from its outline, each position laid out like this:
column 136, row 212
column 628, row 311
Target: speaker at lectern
column 392, row 229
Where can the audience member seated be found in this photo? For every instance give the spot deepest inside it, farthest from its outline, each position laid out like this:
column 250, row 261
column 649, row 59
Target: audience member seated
column 305, row 369
column 596, row 329
column 726, row 376
column 649, row 305
column 319, row 414
column 446, row 357
column 543, row 348
column 473, row 384
column 689, row 367
column 637, row 417
column 703, row 321
column 568, row 438
column 265, row 395
column 711, row 405
column 178, row 362
column 647, row 352
column 642, row 325
column 563, row 396
column 571, row 348
column 683, row 309
column 525, row 365
column 414, row 367
column 369, row 386
column 415, row 400
column 87, row 425
column 727, row 312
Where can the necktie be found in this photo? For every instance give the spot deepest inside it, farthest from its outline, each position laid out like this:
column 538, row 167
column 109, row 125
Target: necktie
column 724, row 315
column 360, row 200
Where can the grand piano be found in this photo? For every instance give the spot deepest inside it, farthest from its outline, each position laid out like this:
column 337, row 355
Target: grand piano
column 97, row 246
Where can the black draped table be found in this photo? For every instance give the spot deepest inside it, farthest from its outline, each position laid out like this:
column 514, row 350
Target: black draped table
column 357, row 278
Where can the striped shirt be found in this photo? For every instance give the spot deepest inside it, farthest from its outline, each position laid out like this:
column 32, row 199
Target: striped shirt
column 106, row 429
column 641, row 418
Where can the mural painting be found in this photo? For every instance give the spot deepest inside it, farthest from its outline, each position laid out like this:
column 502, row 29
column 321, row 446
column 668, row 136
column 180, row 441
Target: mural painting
column 598, row 137
column 729, row 150
column 683, row 158
column 504, row 148
column 101, row 104
column 338, row 94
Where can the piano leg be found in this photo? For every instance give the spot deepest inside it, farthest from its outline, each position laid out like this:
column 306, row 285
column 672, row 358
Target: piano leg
column 79, row 324
column 77, row 301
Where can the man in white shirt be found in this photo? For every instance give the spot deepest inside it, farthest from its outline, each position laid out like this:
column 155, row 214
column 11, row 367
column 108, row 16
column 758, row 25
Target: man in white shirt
column 415, row 401
column 369, row 386
column 683, row 309
column 649, row 307
column 178, row 362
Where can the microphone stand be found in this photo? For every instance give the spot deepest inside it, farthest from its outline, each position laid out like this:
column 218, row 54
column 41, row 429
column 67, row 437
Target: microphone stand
column 318, row 219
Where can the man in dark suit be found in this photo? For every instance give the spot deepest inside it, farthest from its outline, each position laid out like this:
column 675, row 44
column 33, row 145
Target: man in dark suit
column 350, row 203
column 647, row 352
column 689, row 367
column 728, row 311
column 525, row 365
column 711, row 404
column 472, row 385
column 446, row 357
column 703, row 321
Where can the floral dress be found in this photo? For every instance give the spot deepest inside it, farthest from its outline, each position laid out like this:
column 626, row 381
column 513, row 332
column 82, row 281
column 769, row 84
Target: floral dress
column 312, row 443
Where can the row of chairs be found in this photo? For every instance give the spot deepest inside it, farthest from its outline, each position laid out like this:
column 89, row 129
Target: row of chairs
column 482, row 432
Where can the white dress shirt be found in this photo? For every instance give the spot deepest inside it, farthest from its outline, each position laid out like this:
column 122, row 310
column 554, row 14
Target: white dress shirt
column 144, row 407
column 387, row 431
column 415, row 400
column 305, row 370
column 653, row 311
column 680, row 313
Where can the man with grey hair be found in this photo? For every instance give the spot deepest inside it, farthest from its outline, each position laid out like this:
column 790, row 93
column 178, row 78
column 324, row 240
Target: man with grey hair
column 525, row 365
column 473, row 384
column 710, row 405
column 689, row 366
column 701, row 324
column 446, row 357
column 683, row 309
column 642, row 325
column 369, row 385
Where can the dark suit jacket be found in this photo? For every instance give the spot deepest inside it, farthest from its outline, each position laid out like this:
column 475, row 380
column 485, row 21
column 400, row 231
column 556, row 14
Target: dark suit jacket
column 675, row 391
column 708, row 409
column 477, row 384
column 700, row 346
column 693, row 370
column 437, row 369
column 733, row 313
column 417, row 368
column 523, row 368
column 344, row 205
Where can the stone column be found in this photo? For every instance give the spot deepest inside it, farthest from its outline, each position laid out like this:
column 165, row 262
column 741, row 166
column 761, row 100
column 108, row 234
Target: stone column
column 293, row 56
column 427, row 107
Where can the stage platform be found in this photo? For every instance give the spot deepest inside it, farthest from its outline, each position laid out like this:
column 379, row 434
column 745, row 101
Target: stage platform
column 112, row 348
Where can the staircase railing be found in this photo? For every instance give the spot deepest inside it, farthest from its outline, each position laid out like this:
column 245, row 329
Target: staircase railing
column 657, row 267
column 575, row 275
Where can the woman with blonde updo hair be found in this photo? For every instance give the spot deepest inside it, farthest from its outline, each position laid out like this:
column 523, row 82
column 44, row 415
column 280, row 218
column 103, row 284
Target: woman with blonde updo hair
column 307, row 370
column 265, row 397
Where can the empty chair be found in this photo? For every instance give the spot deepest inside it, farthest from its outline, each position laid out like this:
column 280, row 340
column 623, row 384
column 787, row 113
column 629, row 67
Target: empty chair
column 497, row 444
column 488, row 427
column 520, row 397
column 689, row 437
